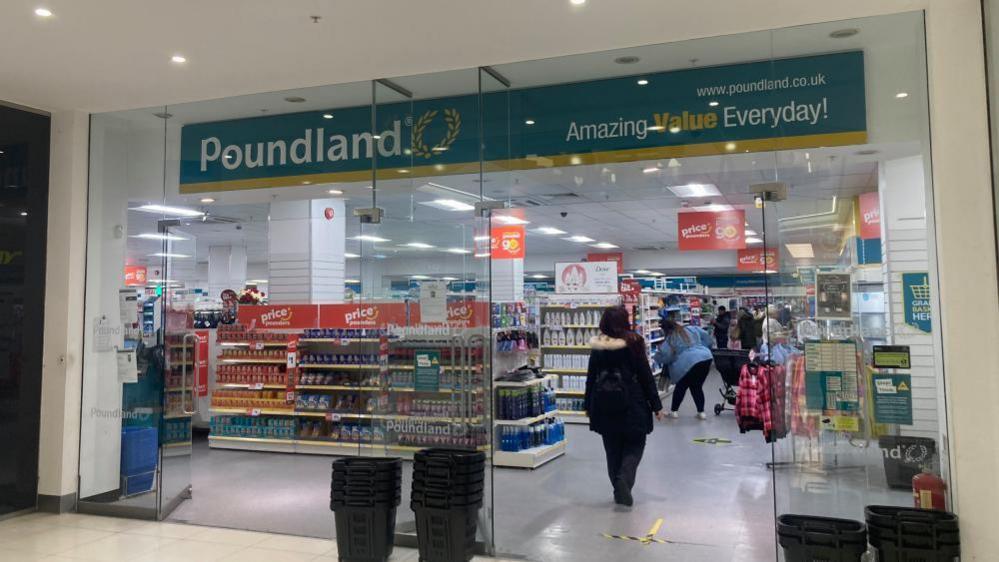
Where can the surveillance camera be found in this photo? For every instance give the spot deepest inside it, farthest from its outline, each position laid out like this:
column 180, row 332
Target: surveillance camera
column 239, row 227
column 564, row 214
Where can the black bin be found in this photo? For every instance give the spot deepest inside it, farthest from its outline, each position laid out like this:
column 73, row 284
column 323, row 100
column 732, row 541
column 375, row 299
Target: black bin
column 905, row 534
column 364, row 495
column 448, row 488
column 807, row 538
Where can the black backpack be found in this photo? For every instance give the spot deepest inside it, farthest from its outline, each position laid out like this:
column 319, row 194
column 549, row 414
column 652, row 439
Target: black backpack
column 610, row 390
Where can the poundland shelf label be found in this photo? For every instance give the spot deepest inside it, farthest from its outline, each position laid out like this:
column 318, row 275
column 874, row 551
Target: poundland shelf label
column 782, row 104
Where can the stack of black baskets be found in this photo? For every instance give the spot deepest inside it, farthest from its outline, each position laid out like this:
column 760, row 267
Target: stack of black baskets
column 807, row 538
column 448, row 488
column 364, row 496
column 902, row 534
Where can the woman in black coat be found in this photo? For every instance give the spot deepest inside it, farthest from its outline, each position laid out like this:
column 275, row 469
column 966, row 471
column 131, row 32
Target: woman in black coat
column 621, row 397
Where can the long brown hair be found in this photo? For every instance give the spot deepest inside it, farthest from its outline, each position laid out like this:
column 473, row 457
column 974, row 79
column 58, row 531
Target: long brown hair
column 671, row 327
column 615, row 324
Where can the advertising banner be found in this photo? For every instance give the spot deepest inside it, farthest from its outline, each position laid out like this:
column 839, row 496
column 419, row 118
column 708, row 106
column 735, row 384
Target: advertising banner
column 755, row 259
column 782, row 104
column 135, row 276
column 508, row 242
column 723, row 230
column 464, row 313
column 870, row 215
column 892, row 398
column 362, row 315
column 833, row 295
column 916, row 301
column 586, row 277
column 616, row 257
column 201, row 363
column 278, row 316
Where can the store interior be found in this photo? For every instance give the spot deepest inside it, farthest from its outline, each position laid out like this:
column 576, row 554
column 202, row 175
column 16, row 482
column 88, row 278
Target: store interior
column 280, row 326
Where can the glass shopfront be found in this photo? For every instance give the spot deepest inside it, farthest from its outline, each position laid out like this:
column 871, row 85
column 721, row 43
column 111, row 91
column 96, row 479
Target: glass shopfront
column 374, row 268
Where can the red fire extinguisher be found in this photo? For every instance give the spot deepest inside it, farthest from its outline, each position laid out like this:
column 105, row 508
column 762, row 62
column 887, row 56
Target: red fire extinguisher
column 929, row 491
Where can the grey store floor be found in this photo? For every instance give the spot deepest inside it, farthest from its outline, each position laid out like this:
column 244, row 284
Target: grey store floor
column 716, row 501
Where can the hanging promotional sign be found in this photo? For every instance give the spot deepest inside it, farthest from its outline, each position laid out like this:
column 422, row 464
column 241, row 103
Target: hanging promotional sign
column 782, row 104
column 586, row 277
column 757, row 260
column 722, row 230
column 616, row 257
column 135, row 275
column 870, row 215
column 916, row 301
column 362, row 315
column 508, row 242
column 278, row 316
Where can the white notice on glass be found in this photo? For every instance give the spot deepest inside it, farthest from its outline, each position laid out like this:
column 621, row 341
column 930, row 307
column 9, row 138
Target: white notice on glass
column 128, row 307
column 107, row 337
column 128, row 371
column 433, row 302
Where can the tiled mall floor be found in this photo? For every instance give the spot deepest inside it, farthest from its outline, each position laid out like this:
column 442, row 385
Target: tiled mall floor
column 68, row 537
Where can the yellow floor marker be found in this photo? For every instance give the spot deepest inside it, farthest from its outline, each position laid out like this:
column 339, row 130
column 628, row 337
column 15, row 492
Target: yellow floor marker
column 650, row 537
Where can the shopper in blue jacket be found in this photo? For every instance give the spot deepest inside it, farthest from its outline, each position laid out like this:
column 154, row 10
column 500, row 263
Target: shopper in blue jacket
column 686, row 354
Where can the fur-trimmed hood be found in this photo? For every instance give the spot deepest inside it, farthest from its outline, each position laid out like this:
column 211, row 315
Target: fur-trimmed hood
column 608, row 343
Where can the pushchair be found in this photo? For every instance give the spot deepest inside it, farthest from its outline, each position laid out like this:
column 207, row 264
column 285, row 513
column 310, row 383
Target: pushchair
column 729, row 363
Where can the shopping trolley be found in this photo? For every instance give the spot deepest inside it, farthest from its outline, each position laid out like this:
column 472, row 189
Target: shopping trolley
column 729, row 363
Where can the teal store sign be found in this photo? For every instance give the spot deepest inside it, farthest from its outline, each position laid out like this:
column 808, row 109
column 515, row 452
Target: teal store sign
column 916, row 301
column 773, row 105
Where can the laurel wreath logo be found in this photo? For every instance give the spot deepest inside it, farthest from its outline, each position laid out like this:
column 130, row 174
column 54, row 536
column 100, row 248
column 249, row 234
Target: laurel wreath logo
column 453, row 120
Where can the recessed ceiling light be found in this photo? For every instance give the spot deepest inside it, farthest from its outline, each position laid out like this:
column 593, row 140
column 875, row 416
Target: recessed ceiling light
column 207, row 200
column 730, row 146
column 482, row 237
column 650, row 170
column 169, row 255
column 713, row 103
column 179, row 59
column 575, row 160
column 604, row 245
column 24, row 213
column 482, row 255
column 257, row 281
column 753, row 240
column 844, row 33
column 335, row 192
column 714, row 207
column 902, row 95
column 403, row 171
column 327, row 115
column 642, row 271
column 350, row 256
column 376, row 137
column 695, row 190
column 673, row 163
column 674, row 130
column 449, row 278
column 550, row 230
column 800, row 251
column 168, row 210
column 579, row 238
column 370, row 238
column 157, row 236
column 294, row 99
column 43, row 12
column 351, row 280
column 750, row 232
column 509, row 219
column 419, row 277
column 643, row 82
column 529, row 122
column 627, row 60
column 457, row 251
column 577, row 2
column 449, row 205
column 420, row 245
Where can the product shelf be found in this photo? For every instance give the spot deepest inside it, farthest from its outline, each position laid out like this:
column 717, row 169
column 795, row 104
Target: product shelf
column 518, row 384
column 251, row 411
column 176, row 416
column 528, row 421
column 254, row 361
column 573, row 416
column 570, row 392
column 568, row 306
column 306, row 446
column 252, row 386
column 561, row 326
column 342, row 415
column 529, row 458
column 566, row 371
column 341, row 341
column 574, row 347
column 339, row 366
column 253, row 344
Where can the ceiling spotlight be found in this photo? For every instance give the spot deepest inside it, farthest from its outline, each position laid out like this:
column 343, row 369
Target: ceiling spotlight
column 207, row 200
column 43, row 12
column 577, row 2
column 179, row 59
column 529, row 122
column 902, row 95
column 335, row 192
column 294, row 99
column 730, row 146
column 713, row 103
column 674, row 130
column 327, row 115
column 643, row 82
column 24, row 213
column 403, row 171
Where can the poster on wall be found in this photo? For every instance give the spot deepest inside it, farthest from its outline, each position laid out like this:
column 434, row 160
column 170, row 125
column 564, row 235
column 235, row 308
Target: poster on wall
column 870, row 215
column 586, row 277
column 758, row 260
column 508, row 242
column 833, row 294
column 616, row 257
column 427, row 371
column 135, row 276
column 916, row 301
column 722, row 230
column 892, row 398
